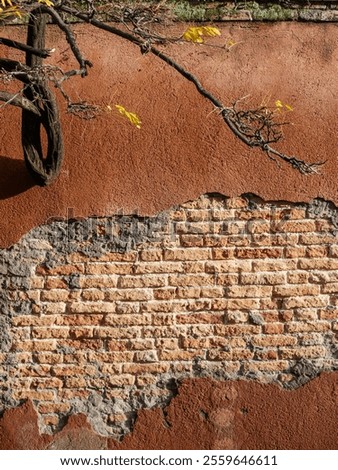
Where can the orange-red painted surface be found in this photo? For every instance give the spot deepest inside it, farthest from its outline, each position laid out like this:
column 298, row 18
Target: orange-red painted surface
column 183, row 148
column 204, row 415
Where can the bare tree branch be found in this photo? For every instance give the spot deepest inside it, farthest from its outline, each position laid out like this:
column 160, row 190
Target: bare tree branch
column 16, row 99
column 23, row 47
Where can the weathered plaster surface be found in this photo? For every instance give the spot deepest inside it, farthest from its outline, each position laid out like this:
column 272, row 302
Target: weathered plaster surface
column 183, row 149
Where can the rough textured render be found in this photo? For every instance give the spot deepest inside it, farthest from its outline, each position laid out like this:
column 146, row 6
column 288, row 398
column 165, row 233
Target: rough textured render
column 107, row 316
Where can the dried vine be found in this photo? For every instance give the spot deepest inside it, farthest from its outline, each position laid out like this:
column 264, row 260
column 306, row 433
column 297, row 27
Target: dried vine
column 255, row 128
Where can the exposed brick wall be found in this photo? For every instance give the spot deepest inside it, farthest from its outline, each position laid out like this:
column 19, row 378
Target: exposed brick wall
column 106, row 315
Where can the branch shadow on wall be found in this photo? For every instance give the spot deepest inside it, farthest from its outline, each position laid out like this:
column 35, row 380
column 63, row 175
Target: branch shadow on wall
column 14, row 177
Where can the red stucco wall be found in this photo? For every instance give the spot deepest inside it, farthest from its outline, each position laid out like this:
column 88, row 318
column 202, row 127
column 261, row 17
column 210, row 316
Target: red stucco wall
column 183, row 150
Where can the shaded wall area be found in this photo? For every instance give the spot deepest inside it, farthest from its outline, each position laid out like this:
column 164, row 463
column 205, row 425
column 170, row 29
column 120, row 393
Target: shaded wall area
column 183, row 149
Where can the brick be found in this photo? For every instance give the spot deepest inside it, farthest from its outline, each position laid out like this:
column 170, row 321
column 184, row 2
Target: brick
column 306, row 301
column 217, row 355
column 141, row 344
column 274, row 265
column 297, row 277
column 215, row 240
column 75, row 382
column 241, row 354
column 177, row 355
column 127, row 320
column 166, row 343
column 295, row 252
column 302, row 352
column 48, row 358
column 79, row 320
column 92, row 294
column 194, row 215
column 37, row 345
column 248, row 291
column 266, row 366
column 299, row 226
column 212, row 292
column 151, row 255
column 127, row 307
column 330, row 288
column 121, row 380
column 317, row 238
column 223, row 253
column 53, row 308
column 128, row 257
column 266, row 355
column 98, row 282
column 231, row 266
column 263, row 341
column 323, row 276
column 258, row 226
column 317, row 251
column 296, row 290
column 249, row 304
column 162, row 306
column 296, row 327
column 305, row 314
column 310, row 339
column 131, row 295
column 192, row 254
column 39, row 395
column 163, row 319
column 192, row 227
column 192, row 240
column 91, row 307
column 273, row 329
column 122, row 333
column 145, row 368
column 236, row 317
column 146, row 356
column 195, row 343
column 222, row 214
column 31, row 320
column 48, row 333
column 144, row 380
column 165, row 332
column 53, row 408
column 63, row 270
column 263, row 253
column 135, row 282
column 190, row 280
column 328, row 314
column 109, row 268
column 158, row 268
column 55, row 295
column 37, row 282
column 263, row 278
column 237, row 330
column 194, row 267
column 164, row 294
column 226, row 279
column 197, row 318
column 318, row 263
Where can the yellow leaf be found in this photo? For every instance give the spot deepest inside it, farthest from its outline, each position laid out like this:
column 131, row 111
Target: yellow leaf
column 10, row 12
column 49, row 3
column 133, row 118
column 196, row 33
column 4, row 3
column 279, row 104
column 230, row 43
column 288, row 107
